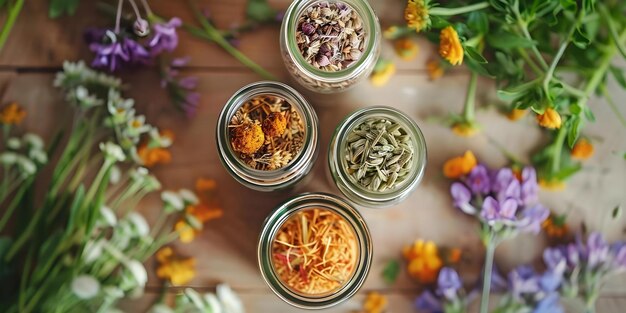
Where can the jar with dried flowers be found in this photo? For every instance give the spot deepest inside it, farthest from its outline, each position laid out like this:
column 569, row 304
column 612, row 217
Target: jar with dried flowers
column 267, row 136
column 328, row 46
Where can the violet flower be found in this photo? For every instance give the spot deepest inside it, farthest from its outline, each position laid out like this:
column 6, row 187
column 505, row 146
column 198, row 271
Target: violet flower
column 549, row 304
column 494, row 211
column 113, row 51
column 428, row 302
column 164, row 36
column 478, row 180
column 462, row 196
column 530, row 188
column 447, row 297
column 448, row 283
column 181, row 90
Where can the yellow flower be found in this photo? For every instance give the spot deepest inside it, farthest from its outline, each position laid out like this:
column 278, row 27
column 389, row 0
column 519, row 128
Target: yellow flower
column 516, row 114
column 465, row 129
column 555, row 226
column 186, row 233
column 424, row 261
column 12, row 114
column 406, row 48
column 582, row 150
column 178, row 271
column 549, row 119
column 382, row 74
column 416, row 15
column 551, row 184
column 375, row 303
column 459, row 166
column 434, row 69
column 450, row 46
column 391, row 32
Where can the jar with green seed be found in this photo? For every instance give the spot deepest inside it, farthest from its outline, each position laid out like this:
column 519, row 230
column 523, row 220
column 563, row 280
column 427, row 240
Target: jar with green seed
column 377, row 156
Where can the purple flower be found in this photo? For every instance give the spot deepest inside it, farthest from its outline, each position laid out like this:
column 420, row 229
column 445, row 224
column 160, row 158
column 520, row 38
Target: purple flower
column 494, row 211
column 529, row 188
column 498, row 282
column 180, row 62
column 478, row 180
column 597, row 250
column 552, row 257
column 551, row 279
column 307, row 29
column 523, row 280
column 138, row 54
column 448, row 283
column 572, row 254
column 428, row 302
column 462, row 197
column 619, row 252
column 549, row 304
column 165, row 37
column 111, row 55
column 532, row 218
column 501, row 179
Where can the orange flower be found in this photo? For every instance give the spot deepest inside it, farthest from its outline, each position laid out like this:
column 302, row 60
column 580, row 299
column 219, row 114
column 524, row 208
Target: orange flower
column 549, row 119
column 434, row 69
column 205, row 184
column 178, row 271
column 454, row 255
column 516, row 114
column 450, row 47
column 582, row 150
column 555, row 226
column 551, row 184
column 406, row 48
column 424, row 261
column 186, row 233
column 204, row 213
column 12, row 114
column 465, row 129
column 416, row 15
column 153, row 156
column 459, row 166
column 375, row 303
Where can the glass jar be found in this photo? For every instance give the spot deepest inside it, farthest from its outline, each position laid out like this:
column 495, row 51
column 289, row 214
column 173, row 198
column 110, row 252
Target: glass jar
column 339, row 153
column 329, row 81
column 362, row 246
column 300, row 164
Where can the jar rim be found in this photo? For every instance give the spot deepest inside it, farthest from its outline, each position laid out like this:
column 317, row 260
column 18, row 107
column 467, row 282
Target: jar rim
column 370, row 21
column 358, row 193
column 282, row 213
column 260, row 179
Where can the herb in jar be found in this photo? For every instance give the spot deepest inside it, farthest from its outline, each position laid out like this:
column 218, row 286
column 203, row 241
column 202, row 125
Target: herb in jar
column 330, row 35
column 267, row 132
column 378, row 154
column 315, row 251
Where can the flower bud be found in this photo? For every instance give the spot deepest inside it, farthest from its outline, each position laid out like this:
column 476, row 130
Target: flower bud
column 141, row 27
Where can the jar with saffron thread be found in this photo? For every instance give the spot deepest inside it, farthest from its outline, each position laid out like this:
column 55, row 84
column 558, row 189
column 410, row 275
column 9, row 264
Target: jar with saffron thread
column 315, row 251
column 377, row 156
column 330, row 45
column 267, row 136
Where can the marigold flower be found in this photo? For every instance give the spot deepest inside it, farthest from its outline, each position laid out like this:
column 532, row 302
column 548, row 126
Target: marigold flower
column 205, row 184
column 549, row 119
column 450, row 47
column 582, row 150
column 375, row 303
column 12, row 114
column 424, row 261
column 459, row 166
column 391, row 32
column 383, row 73
column 551, row 184
column 434, row 69
column 204, row 213
column 186, row 233
column 406, row 48
column 516, row 114
column 465, row 129
column 247, row 138
column 416, row 15
column 555, row 226
column 178, row 271
column 153, row 156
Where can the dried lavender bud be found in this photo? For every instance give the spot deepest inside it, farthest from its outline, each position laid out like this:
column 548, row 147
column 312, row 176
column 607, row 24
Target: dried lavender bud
column 141, row 27
column 330, row 35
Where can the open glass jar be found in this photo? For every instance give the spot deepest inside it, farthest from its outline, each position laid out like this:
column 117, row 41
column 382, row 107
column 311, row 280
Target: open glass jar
column 267, row 136
column 330, row 45
column 314, row 251
column 377, row 156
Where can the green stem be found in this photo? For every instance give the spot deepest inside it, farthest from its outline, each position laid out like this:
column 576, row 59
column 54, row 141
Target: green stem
column 549, row 75
column 439, row 11
column 14, row 202
column 14, row 11
column 214, row 35
column 524, row 28
column 470, row 99
column 489, row 255
column 612, row 29
column 533, row 66
column 555, row 166
column 611, row 103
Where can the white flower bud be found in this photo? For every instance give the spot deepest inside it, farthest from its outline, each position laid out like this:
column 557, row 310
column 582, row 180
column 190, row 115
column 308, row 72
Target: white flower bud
column 230, row 301
column 141, row 27
column 93, row 250
column 139, row 222
column 173, row 200
column 8, row 158
column 14, row 143
column 108, row 216
column 85, row 286
column 188, row 196
column 138, row 272
column 113, row 151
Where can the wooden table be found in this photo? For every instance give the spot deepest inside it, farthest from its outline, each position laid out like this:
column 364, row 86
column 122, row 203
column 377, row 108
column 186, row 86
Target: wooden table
column 226, row 250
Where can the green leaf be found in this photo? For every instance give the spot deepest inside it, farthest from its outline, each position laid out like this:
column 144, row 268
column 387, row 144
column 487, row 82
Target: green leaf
column 260, row 11
column 575, row 109
column 75, row 211
column 499, row 5
column 618, row 73
column 589, row 114
column 391, row 271
column 473, row 54
column 438, row 22
column 478, row 22
column 506, row 41
column 477, row 68
column 580, row 39
column 589, row 5
column 617, row 212
column 568, row 4
column 515, row 92
column 60, row 7
column 566, row 172
column 574, row 131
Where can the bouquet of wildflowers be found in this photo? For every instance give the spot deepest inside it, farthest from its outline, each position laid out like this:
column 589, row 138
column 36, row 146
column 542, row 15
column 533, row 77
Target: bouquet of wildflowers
column 76, row 243
column 505, row 202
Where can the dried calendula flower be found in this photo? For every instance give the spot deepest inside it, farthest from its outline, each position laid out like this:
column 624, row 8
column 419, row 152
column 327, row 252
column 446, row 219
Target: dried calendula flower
column 267, row 132
column 330, row 35
column 247, row 138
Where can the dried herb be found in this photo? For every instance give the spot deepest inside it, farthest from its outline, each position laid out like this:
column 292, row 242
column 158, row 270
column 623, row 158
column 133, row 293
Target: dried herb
column 266, row 132
column 315, row 251
column 378, row 154
column 330, row 35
